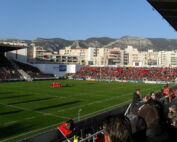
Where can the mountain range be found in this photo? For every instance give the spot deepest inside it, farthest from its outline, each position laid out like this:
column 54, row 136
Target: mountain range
column 141, row 43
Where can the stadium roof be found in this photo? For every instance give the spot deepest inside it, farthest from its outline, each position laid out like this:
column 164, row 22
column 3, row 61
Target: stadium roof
column 6, row 47
column 168, row 10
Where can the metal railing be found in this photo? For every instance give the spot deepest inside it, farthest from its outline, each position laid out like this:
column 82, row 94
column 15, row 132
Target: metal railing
column 91, row 136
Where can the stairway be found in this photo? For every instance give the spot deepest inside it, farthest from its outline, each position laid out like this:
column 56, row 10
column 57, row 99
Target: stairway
column 25, row 76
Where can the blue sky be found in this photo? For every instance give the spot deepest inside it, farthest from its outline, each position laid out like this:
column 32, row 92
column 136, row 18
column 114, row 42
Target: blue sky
column 81, row 19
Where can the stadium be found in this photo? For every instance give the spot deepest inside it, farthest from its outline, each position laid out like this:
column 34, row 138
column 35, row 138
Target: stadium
column 44, row 102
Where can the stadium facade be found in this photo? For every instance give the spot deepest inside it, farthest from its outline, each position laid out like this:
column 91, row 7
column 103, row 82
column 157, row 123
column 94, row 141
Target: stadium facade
column 69, row 60
column 26, row 54
column 129, row 56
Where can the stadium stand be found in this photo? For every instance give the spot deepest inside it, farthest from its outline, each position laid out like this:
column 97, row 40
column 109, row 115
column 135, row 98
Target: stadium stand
column 15, row 71
column 7, row 71
column 33, row 71
column 128, row 73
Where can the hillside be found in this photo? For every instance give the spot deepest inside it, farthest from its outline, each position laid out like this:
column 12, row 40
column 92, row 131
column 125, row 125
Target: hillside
column 58, row 43
column 143, row 44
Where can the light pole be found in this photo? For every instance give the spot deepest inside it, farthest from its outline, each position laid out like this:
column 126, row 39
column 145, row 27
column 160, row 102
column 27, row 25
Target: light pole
column 79, row 111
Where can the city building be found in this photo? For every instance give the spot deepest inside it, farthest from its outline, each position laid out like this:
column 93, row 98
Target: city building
column 130, row 56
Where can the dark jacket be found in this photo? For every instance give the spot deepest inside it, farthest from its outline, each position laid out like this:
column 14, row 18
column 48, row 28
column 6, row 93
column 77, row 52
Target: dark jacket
column 135, row 101
column 136, row 98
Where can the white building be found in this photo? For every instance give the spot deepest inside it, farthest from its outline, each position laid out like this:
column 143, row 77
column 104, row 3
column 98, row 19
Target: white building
column 134, row 56
column 91, row 54
column 97, row 56
column 79, row 53
column 167, row 58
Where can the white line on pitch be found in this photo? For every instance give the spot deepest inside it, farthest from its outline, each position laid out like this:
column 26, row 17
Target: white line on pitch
column 43, row 113
column 104, row 109
column 29, row 118
column 9, row 123
column 23, row 134
column 37, row 130
column 120, row 96
column 96, row 102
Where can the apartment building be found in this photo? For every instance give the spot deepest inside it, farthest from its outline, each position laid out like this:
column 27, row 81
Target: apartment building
column 104, row 56
column 167, row 58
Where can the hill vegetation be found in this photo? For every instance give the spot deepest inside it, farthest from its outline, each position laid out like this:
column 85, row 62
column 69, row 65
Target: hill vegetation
column 143, row 44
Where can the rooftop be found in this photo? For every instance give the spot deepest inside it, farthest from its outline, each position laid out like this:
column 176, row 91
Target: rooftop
column 168, row 10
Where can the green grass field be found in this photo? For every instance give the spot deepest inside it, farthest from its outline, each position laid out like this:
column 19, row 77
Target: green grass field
column 28, row 108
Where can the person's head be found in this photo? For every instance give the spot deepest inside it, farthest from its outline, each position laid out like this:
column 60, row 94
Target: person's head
column 153, row 96
column 165, row 86
column 117, row 129
column 173, row 108
column 146, row 98
column 138, row 91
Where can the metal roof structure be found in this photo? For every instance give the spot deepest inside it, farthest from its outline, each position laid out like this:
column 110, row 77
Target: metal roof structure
column 6, row 47
column 168, row 10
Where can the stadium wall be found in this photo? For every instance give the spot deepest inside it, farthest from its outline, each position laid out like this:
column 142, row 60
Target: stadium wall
column 59, row 70
column 51, row 69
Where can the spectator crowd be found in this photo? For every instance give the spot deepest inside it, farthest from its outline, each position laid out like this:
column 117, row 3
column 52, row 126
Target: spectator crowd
column 128, row 73
column 149, row 118
column 9, row 72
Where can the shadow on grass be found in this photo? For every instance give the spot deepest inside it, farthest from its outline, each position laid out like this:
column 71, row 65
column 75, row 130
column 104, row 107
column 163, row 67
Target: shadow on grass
column 29, row 101
column 8, row 131
column 17, row 96
column 10, row 112
column 3, row 93
column 67, row 85
column 58, row 105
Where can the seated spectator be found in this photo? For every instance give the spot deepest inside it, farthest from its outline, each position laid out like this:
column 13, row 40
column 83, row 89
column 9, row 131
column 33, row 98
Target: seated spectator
column 153, row 100
column 117, row 129
column 146, row 99
column 153, row 96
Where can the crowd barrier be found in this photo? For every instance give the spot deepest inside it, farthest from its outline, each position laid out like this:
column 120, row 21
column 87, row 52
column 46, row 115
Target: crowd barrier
column 12, row 80
column 79, row 78
column 133, row 81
